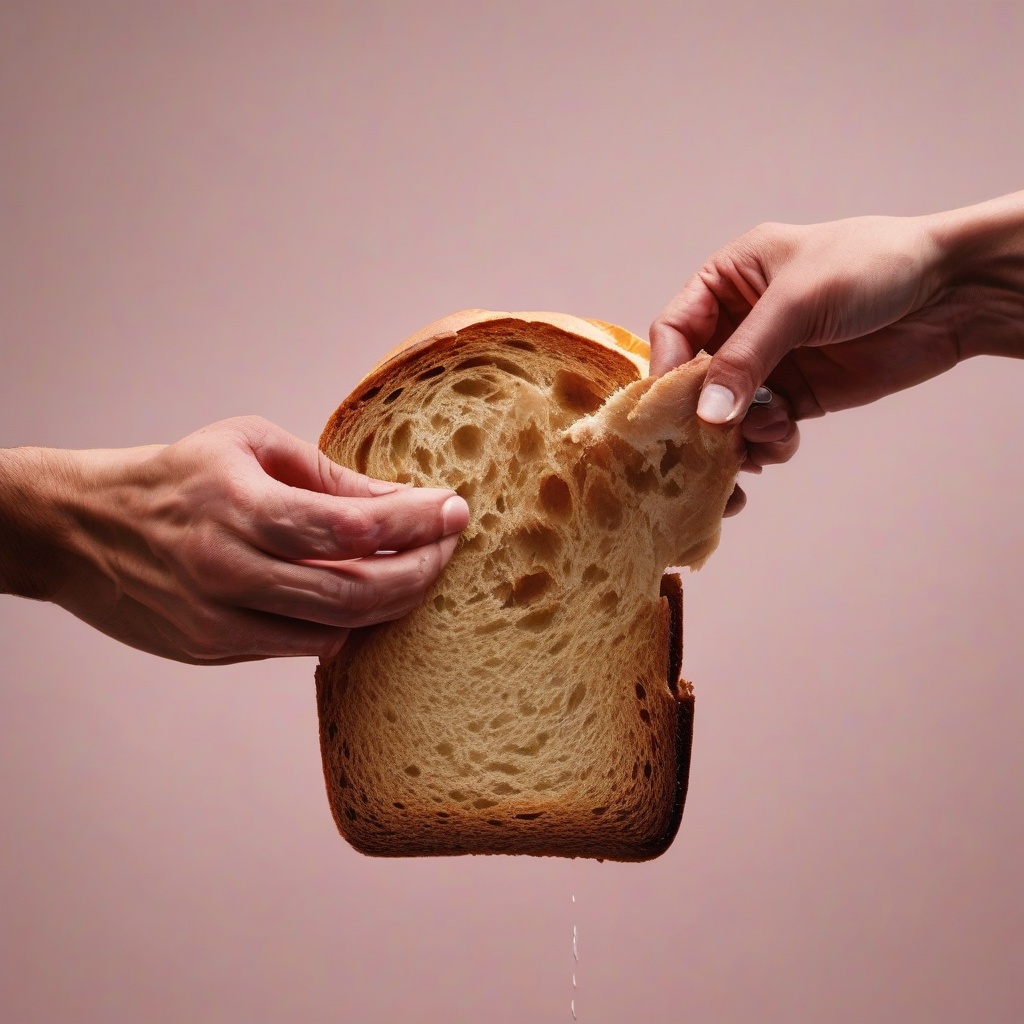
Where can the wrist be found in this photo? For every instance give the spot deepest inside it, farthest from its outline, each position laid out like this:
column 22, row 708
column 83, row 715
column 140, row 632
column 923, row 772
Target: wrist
column 37, row 489
column 981, row 257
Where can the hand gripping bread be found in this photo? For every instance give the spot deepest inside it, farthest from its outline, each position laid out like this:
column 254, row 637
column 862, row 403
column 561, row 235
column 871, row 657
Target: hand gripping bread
column 533, row 703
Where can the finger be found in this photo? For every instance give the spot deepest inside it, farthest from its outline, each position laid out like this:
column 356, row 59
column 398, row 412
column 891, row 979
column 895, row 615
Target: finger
column 254, row 636
column 770, row 421
column 776, row 324
column 350, row 594
column 292, row 523
column 683, row 327
column 737, row 500
column 775, row 452
column 298, row 463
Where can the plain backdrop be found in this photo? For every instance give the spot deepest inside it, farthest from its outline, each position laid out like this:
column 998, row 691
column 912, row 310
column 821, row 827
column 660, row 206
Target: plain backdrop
column 217, row 208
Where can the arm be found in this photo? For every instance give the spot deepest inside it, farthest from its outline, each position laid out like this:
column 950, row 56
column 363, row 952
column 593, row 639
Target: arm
column 840, row 314
column 237, row 542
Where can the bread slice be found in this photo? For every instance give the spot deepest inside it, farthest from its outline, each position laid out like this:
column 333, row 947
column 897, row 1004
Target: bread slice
column 533, row 704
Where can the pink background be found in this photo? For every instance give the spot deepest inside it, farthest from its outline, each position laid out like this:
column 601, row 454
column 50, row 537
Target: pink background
column 209, row 209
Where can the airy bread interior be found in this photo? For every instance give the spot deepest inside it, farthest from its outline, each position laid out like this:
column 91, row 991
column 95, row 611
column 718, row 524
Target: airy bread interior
column 527, row 706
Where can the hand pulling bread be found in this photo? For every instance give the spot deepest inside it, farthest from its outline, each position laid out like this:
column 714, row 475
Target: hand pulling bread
column 533, row 703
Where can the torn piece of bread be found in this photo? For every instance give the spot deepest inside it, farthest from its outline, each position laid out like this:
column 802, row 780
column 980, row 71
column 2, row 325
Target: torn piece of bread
column 533, row 704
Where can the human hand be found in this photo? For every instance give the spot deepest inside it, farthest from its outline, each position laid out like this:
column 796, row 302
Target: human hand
column 238, row 542
column 840, row 314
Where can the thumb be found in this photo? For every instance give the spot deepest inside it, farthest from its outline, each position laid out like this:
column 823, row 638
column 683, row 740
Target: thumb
column 775, row 325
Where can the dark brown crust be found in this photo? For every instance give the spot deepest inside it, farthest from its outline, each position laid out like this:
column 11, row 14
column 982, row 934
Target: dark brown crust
column 672, row 591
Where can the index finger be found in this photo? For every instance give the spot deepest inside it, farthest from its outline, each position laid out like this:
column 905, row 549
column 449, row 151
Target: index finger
column 297, row 524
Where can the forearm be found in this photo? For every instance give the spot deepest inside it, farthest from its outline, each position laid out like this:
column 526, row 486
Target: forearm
column 37, row 486
column 982, row 259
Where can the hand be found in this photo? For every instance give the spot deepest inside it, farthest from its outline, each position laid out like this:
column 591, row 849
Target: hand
column 236, row 543
column 840, row 314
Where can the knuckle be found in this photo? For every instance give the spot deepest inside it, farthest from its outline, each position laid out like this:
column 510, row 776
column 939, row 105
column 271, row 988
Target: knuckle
column 358, row 526
column 358, row 596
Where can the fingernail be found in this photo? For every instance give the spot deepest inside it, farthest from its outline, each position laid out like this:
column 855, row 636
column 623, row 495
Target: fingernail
column 717, row 404
column 378, row 487
column 454, row 515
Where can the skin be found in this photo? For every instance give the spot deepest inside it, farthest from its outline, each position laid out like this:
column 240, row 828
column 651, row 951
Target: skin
column 237, row 543
column 837, row 315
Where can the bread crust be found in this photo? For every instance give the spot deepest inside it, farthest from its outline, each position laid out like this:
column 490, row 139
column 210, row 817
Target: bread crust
column 386, row 795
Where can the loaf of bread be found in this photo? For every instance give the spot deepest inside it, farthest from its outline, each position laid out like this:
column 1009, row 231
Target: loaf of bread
column 534, row 703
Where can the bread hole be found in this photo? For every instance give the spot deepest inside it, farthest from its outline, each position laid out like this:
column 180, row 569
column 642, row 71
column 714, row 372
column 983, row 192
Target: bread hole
column 437, row 421
column 590, row 719
column 371, row 393
column 504, row 767
column 433, row 372
column 482, row 803
column 645, row 716
column 641, row 693
column 559, row 645
column 489, row 520
column 445, row 749
column 399, row 805
column 332, row 730
column 576, row 698
column 403, row 477
column 442, row 814
column 642, row 481
column 345, row 749
column 350, row 814
column 594, row 574
column 576, row 394
column 504, row 365
column 504, row 789
column 501, row 719
column 608, row 602
column 538, row 621
column 499, row 502
column 475, row 543
column 530, row 444
column 598, row 810
column 401, row 441
column 394, row 395
column 473, row 387
column 486, row 628
column 647, row 769
column 524, row 346
column 542, row 785
column 413, row 770
column 671, row 458
column 439, row 602
column 466, row 489
column 537, row 542
column 363, row 452
column 532, row 748
column 477, row 756
column 468, row 441
column 527, row 709
column 495, row 822
column 555, row 497
column 457, row 795
column 529, row 588
column 530, row 817
column 671, row 489
column 475, row 726
column 602, row 504
column 342, row 780
column 424, row 459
